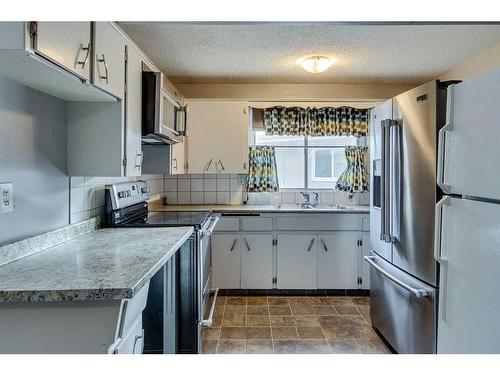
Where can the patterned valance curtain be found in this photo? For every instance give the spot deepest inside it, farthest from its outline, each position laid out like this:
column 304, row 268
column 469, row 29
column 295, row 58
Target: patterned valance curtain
column 354, row 179
column 325, row 121
column 262, row 172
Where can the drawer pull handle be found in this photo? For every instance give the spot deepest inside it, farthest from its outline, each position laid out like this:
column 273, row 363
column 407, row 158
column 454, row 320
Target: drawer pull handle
column 324, row 245
column 234, row 244
column 246, row 244
column 310, row 245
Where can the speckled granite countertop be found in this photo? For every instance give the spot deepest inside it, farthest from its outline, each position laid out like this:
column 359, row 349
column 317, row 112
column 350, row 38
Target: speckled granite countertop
column 104, row 264
column 284, row 208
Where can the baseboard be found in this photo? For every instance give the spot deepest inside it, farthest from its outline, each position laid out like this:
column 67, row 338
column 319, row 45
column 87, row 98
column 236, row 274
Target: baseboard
column 294, row 292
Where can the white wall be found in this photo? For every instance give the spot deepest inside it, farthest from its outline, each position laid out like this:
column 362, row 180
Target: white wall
column 33, row 157
column 478, row 64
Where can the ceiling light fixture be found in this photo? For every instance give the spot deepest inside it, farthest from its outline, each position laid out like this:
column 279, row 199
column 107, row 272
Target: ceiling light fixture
column 316, row 64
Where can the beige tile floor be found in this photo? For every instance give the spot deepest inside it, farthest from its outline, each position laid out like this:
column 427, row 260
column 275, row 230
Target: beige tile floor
column 291, row 325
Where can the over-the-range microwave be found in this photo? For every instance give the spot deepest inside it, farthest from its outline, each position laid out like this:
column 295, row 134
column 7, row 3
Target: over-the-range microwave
column 163, row 119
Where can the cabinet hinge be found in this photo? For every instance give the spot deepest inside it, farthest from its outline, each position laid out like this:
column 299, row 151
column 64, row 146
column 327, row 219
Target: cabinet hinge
column 33, row 28
column 124, row 162
column 275, row 242
column 275, row 280
column 360, row 281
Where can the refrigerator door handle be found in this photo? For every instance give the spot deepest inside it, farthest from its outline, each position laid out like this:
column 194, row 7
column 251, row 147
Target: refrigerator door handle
column 445, row 201
column 442, row 140
column 384, row 184
column 395, row 181
column 420, row 292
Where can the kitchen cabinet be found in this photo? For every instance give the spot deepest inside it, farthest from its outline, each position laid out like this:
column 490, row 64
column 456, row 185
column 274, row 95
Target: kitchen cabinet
column 109, row 58
column 226, row 260
column 338, row 256
column 256, row 261
column 133, row 107
column 178, row 158
column 50, row 57
column 66, row 43
column 297, row 261
column 218, row 136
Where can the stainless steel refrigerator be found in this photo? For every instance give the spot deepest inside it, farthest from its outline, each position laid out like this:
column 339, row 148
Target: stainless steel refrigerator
column 404, row 276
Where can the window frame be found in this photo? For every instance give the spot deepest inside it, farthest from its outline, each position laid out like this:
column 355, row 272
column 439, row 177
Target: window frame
column 306, row 147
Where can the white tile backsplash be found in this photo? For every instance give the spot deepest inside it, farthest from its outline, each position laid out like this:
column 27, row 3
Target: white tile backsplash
column 209, row 185
column 197, row 184
column 209, row 197
column 222, row 184
column 184, row 184
column 184, row 197
column 222, row 197
column 196, row 197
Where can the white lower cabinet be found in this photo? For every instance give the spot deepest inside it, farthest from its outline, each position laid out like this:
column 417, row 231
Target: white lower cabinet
column 226, row 261
column 338, row 256
column 297, row 261
column 257, row 261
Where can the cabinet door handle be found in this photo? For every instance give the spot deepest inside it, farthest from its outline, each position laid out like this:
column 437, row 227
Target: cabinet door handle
column 209, row 163
column 234, row 244
column 84, row 62
column 175, row 163
column 246, row 244
column 324, row 245
column 310, row 245
column 103, row 60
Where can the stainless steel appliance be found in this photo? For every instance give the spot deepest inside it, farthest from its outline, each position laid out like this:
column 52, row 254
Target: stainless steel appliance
column 404, row 274
column 163, row 119
column 126, row 206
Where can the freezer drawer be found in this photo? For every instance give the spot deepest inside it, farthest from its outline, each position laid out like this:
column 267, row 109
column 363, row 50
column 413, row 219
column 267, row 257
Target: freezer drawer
column 402, row 308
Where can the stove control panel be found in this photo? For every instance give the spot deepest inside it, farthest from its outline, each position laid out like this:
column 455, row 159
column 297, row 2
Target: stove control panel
column 127, row 193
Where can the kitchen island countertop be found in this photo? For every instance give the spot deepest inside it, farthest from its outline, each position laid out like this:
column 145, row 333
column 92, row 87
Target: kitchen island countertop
column 105, row 264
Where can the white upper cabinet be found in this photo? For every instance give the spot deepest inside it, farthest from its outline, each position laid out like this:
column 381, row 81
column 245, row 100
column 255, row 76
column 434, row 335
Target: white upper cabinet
column 133, row 105
column 217, row 136
column 338, row 256
column 66, row 43
column 109, row 58
column 178, row 158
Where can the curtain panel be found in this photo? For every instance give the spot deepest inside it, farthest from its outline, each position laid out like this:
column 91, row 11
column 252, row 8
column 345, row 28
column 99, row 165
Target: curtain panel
column 262, row 171
column 355, row 178
column 325, row 121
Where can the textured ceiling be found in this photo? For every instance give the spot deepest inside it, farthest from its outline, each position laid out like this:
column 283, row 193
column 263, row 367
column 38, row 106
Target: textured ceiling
column 268, row 53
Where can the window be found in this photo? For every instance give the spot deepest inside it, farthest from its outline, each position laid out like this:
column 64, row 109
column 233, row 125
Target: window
column 306, row 162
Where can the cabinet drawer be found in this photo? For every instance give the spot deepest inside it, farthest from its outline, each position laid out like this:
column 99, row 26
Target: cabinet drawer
column 313, row 222
column 366, row 223
column 257, row 223
column 131, row 310
column 228, row 224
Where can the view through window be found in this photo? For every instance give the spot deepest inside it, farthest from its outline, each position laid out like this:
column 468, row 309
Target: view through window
column 306, row 162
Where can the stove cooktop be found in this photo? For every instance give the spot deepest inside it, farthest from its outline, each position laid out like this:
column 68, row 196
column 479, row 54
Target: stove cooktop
column 170, row 219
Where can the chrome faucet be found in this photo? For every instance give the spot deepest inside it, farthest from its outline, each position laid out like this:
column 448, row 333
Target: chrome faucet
column 307, row 199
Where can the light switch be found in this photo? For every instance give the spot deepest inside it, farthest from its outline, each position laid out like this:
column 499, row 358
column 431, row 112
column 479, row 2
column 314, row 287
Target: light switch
column 6, row 197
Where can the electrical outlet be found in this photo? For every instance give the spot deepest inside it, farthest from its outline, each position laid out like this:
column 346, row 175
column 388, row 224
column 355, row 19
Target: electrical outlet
column 6, row 198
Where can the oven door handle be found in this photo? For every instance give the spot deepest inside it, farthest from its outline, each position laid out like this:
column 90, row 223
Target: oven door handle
column 208, row 322
column 210, row 229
